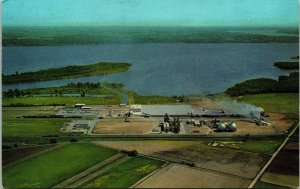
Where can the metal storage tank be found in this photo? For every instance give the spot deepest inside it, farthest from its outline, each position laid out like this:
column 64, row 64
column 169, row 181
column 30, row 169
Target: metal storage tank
column 232, row 126
column 221, row 126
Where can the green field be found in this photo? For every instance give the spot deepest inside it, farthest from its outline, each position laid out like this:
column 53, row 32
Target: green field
column 61, row 100
column 135, row 98
column 13, row 126
column 125, row 174
column 101, row 68
column 259, row 146
column 267, row 147
column 55, row 166
column 287, row 103
column 156, row 99
column 32, row 127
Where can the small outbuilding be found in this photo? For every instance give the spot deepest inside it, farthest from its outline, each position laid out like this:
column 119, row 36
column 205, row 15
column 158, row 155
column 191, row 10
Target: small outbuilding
column 135, row 109
column 79, row 105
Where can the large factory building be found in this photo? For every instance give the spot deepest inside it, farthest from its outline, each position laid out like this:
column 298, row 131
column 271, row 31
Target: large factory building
column 160, row 110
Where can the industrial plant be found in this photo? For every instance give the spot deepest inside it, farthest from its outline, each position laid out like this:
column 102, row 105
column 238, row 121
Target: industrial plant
column 158, row 119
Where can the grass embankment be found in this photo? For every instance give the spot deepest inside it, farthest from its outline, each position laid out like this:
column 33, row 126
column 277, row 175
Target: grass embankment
column 55, row 166
column 101, row 68
column 125, row 174
column 285, row 84
column 284, row 103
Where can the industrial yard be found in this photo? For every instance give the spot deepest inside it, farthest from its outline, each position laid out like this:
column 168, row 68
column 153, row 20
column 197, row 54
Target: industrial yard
column 175, row 119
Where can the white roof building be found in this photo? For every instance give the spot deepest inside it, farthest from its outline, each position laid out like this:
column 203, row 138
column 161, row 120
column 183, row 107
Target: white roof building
column 135, row 109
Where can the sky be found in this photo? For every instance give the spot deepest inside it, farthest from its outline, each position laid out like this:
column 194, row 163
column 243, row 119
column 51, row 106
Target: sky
column 150, row 13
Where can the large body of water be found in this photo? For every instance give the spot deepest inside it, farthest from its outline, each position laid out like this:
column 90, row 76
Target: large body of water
column 161, row 69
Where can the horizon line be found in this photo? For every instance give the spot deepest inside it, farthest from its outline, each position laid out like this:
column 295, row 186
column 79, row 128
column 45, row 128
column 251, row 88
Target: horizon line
column 212, row 26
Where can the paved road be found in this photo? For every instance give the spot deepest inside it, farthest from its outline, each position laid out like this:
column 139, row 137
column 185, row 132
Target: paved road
column 92, row 125
column 94, row 122
column 138, row 137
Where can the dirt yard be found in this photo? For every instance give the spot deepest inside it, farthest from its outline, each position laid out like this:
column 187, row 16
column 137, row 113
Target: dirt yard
column 280, row 121
column 181, row 176
column 245, row 127
column 224, row 160
column 200, row 130
column 119, row 126
column 13, row 155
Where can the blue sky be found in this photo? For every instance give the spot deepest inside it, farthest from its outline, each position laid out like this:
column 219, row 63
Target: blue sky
column 150, row 12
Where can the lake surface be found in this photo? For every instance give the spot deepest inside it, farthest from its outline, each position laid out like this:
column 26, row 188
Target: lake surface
column 161, row 69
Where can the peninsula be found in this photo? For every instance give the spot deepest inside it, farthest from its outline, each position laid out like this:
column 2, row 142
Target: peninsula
column 101, row 68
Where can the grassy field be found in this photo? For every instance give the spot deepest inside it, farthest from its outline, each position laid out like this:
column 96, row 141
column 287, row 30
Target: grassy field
column 31, row 127
column 285, row 103
column 61, row 100
column 13, row 126
column 135, row 98
column 267, row 147
column 261, row 146
column 125, row 174
column 156, row 99
column 52, row 167
column 101, row 68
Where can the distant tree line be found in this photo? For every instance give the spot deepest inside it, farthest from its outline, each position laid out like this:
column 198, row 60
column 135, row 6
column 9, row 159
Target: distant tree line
column 56, row 91
column 284, row 84
column 86, row 85
column 15, row 93
column 35, row 36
